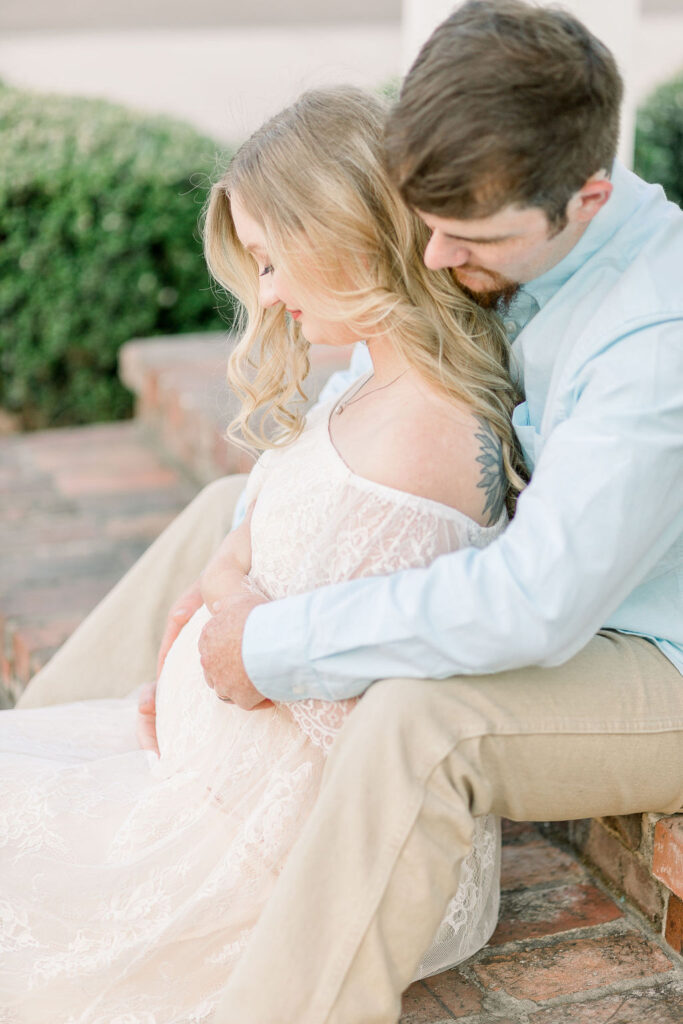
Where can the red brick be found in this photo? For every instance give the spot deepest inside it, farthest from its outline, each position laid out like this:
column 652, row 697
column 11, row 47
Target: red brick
column 77, row 438
column 5, row 671
column 49, row 529
column 28, row 640
column 171, row 406
column 605, row 851
column 146, row 526
column 673, row 927
column 149, row 396
column 667, row 860
column 127, row 451
column 419, row 1006
column 650, row 1007
column 75, row 484
column 42, row 603
column 455, row 992
column 626, row 870
column 532, row 914
column 570, row 967
column 645, row 891
column 628, row 828
column 537, row 863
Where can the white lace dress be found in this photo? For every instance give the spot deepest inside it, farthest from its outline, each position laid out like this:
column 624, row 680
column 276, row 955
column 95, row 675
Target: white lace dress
column 130, row 884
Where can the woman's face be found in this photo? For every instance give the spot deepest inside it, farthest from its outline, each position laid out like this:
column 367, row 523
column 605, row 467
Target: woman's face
column 275, row 287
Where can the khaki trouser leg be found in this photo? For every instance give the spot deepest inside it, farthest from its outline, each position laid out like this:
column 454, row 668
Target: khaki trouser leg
column 115, row 648
column 366, row 885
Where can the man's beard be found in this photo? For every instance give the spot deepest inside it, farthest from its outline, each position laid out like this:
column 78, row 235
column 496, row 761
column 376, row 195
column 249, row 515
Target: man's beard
column 500, row 294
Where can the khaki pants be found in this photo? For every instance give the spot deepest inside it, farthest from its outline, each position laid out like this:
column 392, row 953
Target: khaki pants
column 366, row 884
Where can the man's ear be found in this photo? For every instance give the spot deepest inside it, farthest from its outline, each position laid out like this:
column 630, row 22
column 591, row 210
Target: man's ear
column 590, row 198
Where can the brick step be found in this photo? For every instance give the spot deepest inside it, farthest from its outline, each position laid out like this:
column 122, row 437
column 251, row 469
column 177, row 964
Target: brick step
column 182, row 395
column 78, row 507
column 565, row 951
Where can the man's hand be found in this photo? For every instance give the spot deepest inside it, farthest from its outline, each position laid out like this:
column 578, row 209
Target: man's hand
column 220, row 648
column 180, row 614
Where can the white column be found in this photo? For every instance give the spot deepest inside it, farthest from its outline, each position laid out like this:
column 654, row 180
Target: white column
column 615, row 22
column 418, row 19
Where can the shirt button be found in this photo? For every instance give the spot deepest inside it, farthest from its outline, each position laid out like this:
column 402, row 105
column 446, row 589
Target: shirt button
column 510, row 326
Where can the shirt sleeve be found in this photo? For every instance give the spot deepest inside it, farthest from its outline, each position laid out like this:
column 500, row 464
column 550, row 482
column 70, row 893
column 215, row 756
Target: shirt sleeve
column 604, row 505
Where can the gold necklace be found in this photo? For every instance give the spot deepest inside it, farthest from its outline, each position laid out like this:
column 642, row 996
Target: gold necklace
column 344, row 405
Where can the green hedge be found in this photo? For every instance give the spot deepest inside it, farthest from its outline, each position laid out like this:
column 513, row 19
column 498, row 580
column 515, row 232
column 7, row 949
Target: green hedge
column 659, row 139
column 98, row 244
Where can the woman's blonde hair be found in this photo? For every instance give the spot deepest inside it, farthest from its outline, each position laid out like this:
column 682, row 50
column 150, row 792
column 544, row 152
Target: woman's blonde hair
column 313, row 177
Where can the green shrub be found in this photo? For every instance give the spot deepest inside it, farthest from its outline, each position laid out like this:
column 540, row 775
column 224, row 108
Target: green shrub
column 659, row 139
column 98, row 244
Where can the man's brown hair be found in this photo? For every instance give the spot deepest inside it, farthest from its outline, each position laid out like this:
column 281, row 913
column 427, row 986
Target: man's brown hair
column 506, row 103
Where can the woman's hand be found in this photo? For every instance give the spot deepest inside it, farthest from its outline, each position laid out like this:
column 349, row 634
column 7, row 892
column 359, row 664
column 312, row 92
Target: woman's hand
column 225, row 575
column 146, row 724
column 179, row 615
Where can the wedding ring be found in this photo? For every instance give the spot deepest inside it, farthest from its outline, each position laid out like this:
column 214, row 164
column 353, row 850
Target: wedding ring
column 228, row 700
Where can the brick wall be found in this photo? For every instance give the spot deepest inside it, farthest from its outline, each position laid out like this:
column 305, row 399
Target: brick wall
column 641, row 857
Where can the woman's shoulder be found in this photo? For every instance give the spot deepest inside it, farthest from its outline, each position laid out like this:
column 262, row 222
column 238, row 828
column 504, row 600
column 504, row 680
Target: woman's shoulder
column 443, row 451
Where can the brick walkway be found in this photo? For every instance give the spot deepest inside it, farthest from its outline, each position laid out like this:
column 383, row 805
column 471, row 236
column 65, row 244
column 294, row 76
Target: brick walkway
column 77, row 508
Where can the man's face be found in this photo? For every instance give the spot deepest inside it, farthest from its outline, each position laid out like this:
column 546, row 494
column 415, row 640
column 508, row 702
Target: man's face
column 491, row 256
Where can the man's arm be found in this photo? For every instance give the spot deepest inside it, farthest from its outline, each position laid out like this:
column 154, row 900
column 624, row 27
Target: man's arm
column 604, row 505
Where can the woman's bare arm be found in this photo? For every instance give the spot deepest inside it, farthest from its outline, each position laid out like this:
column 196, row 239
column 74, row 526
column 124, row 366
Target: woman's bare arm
column 224, row 575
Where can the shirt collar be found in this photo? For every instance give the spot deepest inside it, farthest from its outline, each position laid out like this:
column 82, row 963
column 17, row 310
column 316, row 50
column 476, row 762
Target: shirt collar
column 625, row 197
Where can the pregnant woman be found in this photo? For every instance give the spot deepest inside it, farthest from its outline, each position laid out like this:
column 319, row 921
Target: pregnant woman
column 130, row 882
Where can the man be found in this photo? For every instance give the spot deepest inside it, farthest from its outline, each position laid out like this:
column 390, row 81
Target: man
column 555, row 653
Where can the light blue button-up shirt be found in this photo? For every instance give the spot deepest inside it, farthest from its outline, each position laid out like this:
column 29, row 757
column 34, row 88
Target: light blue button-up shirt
column 597, row 540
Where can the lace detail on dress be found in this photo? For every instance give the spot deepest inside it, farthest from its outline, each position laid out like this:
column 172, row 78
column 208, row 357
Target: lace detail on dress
column 321, row 720
column 129, row 885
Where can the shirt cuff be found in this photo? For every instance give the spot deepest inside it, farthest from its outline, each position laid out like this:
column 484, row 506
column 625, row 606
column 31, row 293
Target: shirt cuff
column 274, row 652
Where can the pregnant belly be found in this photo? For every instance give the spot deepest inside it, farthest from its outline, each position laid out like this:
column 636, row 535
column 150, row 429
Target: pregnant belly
column 196, row 731
column 187, row 707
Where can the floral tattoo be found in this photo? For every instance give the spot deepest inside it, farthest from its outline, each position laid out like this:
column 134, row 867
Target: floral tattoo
column 492, row 474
